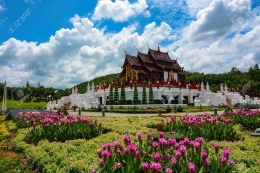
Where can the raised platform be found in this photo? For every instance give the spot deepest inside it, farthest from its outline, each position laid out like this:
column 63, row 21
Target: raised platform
column 147, row 106
column 257, row 133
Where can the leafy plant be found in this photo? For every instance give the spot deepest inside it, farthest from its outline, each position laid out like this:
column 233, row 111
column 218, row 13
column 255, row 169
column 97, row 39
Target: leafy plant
column 74, row 107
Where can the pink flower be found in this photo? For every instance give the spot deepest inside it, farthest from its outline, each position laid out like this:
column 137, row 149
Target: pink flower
column 127, row 139
column 101, row 162
column 137, row 154
column 199, row 139
column 117, row 144
column 117, row 165
column 127, row 150
column 93, row 170
column 174, row 161
column 161, row 134
column 182, row 149
column 226, row 152
column 155, row 144
column 171, row 141
column 163, row 142
column 223, row 159
column 191, row 167
column 109, row 146
column 157, row 157
column 168, row 170
column 216, row 146
column 177, row 154
column 99, row 151
column 206, row 162
column 145, row 166
column 104, row 146
column 139, row 134
column 132, row 147
column 167, row 156
column 196, row 145
column 105, row 154
column 203, row 154
column 155, row 167
column 231, row 162
column 149, row 135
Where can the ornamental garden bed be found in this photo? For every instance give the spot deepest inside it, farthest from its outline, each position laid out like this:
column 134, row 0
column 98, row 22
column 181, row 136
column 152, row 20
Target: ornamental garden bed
column 137, row 146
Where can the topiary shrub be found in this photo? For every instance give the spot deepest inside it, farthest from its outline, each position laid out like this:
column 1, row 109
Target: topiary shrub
column 168, row 109
column 58, row 112
column 65, row 111
column 74, row 107
column 179, row 109
column 9, row 115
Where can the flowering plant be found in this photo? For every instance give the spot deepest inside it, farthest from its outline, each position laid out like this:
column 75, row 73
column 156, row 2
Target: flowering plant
column 164, row 155
column 207, row 126
column 56, row 127
column 246, row 117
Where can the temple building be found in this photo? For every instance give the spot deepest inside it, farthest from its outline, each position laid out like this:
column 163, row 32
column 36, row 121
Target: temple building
column 155, row 66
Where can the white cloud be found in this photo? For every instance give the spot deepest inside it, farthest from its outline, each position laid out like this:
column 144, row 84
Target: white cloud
column 215, row 21
column 120, row 10
column 75, row 55
column 2, row 6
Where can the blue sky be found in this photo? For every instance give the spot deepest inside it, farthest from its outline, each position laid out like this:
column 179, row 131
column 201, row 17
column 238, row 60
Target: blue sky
column 63, row 43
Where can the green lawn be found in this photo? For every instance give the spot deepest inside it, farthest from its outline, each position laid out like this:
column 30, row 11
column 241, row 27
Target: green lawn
column 28, row 104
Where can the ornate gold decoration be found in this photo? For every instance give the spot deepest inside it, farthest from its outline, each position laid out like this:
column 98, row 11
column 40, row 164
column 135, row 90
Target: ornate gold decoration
column 171, row 74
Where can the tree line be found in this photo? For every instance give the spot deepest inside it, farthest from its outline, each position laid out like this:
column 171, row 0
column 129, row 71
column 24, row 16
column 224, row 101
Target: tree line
column 233, row 79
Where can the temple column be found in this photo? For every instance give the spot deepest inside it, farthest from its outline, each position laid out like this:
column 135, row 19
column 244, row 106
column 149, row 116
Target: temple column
column 190, row 97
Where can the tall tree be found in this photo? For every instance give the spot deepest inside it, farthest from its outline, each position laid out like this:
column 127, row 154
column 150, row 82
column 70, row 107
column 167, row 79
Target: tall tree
column 116, row 98
column 135, row 99
column 122, row 96
column 144, row 98
column 151, row 99
column 111, row 98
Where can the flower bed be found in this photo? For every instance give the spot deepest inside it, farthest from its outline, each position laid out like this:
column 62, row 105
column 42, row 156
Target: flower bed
column 163, row 156
column 207, row 126
column 56, row 127
column 247, row 118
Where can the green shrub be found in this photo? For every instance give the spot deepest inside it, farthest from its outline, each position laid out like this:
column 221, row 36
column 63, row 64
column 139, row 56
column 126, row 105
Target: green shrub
column 228, row 109
column 9, row 116
column 179, row 109
column 168, row 135
column 168, row 109
column 74, row 107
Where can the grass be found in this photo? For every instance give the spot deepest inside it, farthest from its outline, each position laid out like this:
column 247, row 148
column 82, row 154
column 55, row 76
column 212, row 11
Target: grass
column 17, row 104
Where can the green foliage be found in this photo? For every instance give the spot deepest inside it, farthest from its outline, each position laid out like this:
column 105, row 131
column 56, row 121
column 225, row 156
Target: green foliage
column 9, row 115
column 111, row 97
column 135, row 99
column 168, row 135
column 65, row 111
column 168, row 109
column 179, row 109
column 111, row 77
column 74, row 107
column 116, row 98
column 208, row 127
column 151, row 99
column 228, row 109
column 247, row 118
column 144, row 98
column 122, row 96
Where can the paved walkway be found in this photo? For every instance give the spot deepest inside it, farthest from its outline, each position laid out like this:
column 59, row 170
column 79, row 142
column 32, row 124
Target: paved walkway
column 108, row 114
